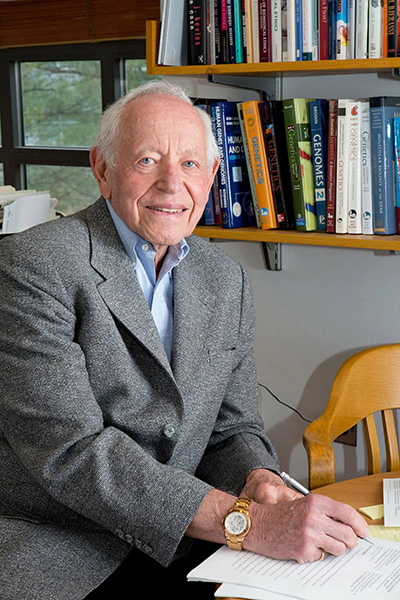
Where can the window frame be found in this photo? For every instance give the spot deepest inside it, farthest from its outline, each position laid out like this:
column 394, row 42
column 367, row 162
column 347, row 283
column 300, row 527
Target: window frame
column 14, row 155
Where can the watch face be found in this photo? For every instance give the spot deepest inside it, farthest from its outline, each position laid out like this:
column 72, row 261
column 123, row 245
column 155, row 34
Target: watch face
column 235, row 523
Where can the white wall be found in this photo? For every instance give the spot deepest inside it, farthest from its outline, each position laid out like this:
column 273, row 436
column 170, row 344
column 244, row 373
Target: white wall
column 326, row 303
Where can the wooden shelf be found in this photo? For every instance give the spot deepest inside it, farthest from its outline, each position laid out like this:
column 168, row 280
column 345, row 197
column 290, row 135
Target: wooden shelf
column 310, row 238
column 285, row 69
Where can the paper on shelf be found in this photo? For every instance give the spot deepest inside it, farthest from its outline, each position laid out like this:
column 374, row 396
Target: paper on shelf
column 368, row 572
column 26, row 211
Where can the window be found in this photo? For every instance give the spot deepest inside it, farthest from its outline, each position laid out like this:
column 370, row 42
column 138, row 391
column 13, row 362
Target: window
column 50, row 105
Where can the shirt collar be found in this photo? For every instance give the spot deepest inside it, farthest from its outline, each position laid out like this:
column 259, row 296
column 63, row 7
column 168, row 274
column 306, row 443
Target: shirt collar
column 130, row 239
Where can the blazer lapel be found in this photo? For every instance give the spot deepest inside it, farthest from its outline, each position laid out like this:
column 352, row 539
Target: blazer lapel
column 193, row 308
column 120, row 289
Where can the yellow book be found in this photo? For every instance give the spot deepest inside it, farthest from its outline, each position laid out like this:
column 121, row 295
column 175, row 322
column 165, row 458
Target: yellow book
column 259, row 165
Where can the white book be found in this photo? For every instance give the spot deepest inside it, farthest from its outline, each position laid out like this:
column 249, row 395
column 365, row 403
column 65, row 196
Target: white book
column 366, row 184
column 314, row 30
column 211, row 40
column 362, row 29
column 255, row 31
column 249, row 32
column 353, row 136
column 307, row 29
column 342, row 170
column 164, row 9
column 276, row 30
column 352, row 28
column 375, row 30
column 174, row 45
column 291, row 30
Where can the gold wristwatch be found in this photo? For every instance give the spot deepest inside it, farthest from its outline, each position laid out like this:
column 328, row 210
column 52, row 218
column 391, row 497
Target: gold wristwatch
column 237, row 523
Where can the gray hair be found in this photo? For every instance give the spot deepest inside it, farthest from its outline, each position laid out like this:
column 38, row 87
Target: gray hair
column 108, row 135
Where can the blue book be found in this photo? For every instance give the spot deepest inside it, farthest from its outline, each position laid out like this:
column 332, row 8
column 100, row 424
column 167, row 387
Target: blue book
column 235, row 199
column 383, row 109
column 238, row 30
column 396, row 135
column 318, row 128
column 299, row 29
column 332, row 29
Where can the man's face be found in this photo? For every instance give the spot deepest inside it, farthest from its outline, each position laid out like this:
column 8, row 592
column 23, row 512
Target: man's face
column 160, row 183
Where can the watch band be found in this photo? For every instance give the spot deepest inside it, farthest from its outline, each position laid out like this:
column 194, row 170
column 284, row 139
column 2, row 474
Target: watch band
column 235, row 541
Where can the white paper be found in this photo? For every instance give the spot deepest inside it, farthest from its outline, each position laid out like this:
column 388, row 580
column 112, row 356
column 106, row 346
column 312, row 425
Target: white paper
column 391, row 502
column 368, row 572
column 230, row 590
column 25, row 212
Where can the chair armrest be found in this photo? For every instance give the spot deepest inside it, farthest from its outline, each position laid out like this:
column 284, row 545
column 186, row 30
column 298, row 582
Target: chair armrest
column 320, row 453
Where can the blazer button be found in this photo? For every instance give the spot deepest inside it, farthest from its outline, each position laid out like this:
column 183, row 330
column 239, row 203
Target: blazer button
column 170, row 430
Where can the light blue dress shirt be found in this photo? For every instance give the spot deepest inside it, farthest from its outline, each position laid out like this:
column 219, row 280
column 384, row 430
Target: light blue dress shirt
column 158, row 291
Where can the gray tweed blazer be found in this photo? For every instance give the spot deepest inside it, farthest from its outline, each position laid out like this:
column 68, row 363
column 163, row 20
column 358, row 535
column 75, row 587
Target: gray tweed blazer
column 105, row 446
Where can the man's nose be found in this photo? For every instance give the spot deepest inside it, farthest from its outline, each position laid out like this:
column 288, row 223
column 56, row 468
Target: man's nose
column 170, row 180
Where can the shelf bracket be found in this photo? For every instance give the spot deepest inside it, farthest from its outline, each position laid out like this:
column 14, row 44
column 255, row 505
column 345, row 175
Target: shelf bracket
column 269, row 88
column 272, row 253
column 396, row 73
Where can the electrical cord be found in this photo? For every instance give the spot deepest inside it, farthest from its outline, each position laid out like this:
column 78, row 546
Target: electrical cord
column 283, row 403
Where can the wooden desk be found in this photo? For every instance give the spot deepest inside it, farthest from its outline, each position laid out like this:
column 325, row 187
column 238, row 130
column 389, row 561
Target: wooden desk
column 359, row 492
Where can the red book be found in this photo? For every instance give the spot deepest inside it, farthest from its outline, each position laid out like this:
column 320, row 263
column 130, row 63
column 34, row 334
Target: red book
column 323, row 29
column 331, row 167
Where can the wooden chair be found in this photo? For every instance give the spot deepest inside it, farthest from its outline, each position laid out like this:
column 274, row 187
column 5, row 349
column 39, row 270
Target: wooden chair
column 368, row 382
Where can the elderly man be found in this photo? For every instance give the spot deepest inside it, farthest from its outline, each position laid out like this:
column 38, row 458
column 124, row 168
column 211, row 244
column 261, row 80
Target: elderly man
column 128, row 389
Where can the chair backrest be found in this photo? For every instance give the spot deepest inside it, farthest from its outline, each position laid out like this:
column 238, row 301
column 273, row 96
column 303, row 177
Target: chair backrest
column 368, row 382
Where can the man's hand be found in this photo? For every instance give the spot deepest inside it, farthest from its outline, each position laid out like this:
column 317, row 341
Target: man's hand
column 266, row 487
column 303, row 528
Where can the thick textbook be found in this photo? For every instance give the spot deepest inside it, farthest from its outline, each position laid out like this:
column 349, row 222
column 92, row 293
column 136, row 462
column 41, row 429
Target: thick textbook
column 382, row 111
column 271, row 117
column 331, row 166
column 236, row 207
column 318, row 126
column 297, row 123
column 259, row 164
column 353, row 136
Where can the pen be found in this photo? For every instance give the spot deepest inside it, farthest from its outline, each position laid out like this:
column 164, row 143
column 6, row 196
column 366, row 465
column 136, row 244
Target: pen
column 300, row 488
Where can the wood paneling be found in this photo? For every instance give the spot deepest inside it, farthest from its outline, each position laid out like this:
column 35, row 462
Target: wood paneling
column 43, row 22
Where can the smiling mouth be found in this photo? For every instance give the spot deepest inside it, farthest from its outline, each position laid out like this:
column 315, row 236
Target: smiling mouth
column 167, row 210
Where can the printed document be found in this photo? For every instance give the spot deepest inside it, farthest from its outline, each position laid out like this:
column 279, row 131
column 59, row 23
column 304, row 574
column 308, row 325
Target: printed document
column 368, row 572
column 391, row 502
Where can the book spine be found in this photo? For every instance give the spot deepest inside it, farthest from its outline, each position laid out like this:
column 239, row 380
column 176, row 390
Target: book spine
column 255, row 30
column 342, row 170
column 284, row 22
column 276, row 31
column 259, row 165
column 244, row 30
column 342, row 29
column 315, row 31
column 385, row 29
column 323, row 29
column 396, row 137
column 361, row 44
column 382, row 112
column 366, row 192
column 265, row 112
column 375, row 29
column 223, row 32
column 231, row 31
column 263, row 30
column 318, row 141
column 302, row 112
column 292, row 141
column 291, row 30
column 351, row 31
column 248, row 163
column 354, row 215
column 391, row 28
column 332, row 29
column 331, row 166
column 238, row 30
column 299, row 29
column 249, row 31
column 397, row 27
column 197, row 20
column 307, row 18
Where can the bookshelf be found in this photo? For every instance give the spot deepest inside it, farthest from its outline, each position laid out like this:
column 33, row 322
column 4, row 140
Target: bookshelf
column 273, row 70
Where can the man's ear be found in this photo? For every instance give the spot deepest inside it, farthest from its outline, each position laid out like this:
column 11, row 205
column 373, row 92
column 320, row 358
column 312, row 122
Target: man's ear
column 213, row 172
column 100, row 171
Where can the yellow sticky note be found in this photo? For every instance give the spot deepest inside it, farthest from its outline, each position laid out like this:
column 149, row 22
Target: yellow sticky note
column 385, row 533
column 373, row 512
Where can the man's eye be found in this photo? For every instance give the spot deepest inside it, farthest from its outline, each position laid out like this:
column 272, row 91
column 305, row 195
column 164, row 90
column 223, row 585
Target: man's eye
column 147, row 160
column 189, row 163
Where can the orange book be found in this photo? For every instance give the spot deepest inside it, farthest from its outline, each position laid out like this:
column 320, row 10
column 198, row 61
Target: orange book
column 259, row 164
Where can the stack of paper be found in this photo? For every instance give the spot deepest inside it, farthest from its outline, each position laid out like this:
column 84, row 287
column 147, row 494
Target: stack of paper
column 25, row 208
column 368, row 572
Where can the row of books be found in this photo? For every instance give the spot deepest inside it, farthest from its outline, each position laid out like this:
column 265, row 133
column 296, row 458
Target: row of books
column 307, row 164
column 199, row 32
